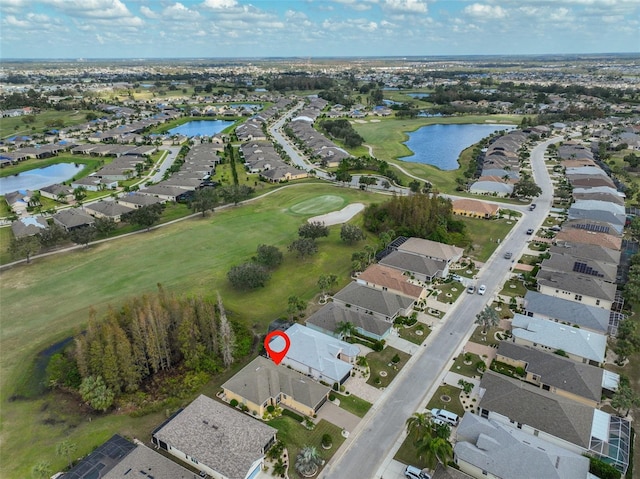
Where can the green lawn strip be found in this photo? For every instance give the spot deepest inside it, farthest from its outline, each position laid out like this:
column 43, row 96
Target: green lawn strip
column 408, row 454
column 5, row 240
column 353, row 404
column 485, row 234
column 48, row 300
column 452, row 288
column 12, row 126
column 513, row 287
column 295, row 436
column 409, row 333
column 454, row 405
column 486, row 340
column 468, row 370
column 379, row 361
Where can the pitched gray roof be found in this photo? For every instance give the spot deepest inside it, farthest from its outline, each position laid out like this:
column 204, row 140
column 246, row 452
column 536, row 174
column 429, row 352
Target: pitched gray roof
column 73, row 218
column 579, row 284
column 28, row 226
column 143, row 463
column 414, row 263
column 563, row 373
column 371, row 299
column 590, row 317
column 576, row 341
column 108, row 208
column 262, row 379
column 331, row 314
column 493, row 446
column 592, row 251
column 570, row 264
column 431, row 249
column 542, row 410
column 218, row 436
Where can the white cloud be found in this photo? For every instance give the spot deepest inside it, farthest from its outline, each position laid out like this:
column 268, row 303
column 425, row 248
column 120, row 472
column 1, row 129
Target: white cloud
column 179, row 12
column 91, row 8
column 12, row 21
column 147, row 12
column 485, row 12
column 411, row 6
column 12, row 6
column 219, row 4
column 559, row 14
column 100, row 39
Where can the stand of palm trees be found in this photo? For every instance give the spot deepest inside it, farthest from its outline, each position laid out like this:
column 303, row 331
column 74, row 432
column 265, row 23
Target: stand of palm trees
column 430, row 438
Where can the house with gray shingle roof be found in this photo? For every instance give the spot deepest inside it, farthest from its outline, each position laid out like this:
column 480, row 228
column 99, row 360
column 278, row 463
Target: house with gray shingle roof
column 137, row 200
column 557, row 419
column 571, row 312
column 577, row 287
column 391, row 279
column 73, row 218
column 421, row 268
column 566, row 263
column 559, row 375
column 107, row 209
column 28, row 226
column 262, row 383
column 384, row 305
column 579, row 344
column 316, row 354
column 487, row 448
column 216, row 439
column 327, row 319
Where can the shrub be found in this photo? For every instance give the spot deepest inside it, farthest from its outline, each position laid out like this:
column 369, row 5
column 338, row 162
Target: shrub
column 326, row 440
column 520, row 371
column 233, row 403
column 378, row 346
column 332, row 397
column 270, row 409
column 291, row 414
column 481, row 366
column 395, row 359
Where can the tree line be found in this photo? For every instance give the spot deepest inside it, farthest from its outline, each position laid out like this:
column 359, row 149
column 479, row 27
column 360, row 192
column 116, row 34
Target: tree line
column 148, row 335
column 342, row 130
column 421, row 215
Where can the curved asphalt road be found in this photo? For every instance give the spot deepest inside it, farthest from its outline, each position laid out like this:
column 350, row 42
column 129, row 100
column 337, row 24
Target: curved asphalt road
column 364, row 452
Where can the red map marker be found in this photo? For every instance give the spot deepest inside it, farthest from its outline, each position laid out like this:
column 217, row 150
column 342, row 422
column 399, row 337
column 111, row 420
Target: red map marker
column 277, row 356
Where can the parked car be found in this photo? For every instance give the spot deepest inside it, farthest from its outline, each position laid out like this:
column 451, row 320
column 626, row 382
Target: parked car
column 482, row 289
column 532, row 206
column 508, row 255
column 447, row 416
column 412, row 472
column 471, row 289
column 456, row 277
column 530, row 231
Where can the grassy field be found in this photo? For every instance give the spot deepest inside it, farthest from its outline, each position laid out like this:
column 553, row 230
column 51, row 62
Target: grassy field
column 379, row 361
column 387, row 137
column 15, row 126
column 353, row 404
column 485, row 234
column 49, row 299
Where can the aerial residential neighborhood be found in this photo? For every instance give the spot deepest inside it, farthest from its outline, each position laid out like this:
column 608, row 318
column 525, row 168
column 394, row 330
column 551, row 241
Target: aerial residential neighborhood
column 321, row 249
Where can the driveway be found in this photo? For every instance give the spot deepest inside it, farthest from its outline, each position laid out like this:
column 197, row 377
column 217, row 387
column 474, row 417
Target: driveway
column 338, row 416
column 402, row 344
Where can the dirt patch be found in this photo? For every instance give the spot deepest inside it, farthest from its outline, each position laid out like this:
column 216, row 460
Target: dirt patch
column 341, row 216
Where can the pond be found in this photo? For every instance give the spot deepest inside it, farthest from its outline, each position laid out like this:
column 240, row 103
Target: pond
column 39, row 177
column 441, row 145
column 419, row 95
column 201, row 127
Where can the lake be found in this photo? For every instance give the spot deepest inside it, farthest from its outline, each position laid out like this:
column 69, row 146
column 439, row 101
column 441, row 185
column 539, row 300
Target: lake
column 441, row 145
column 39, row 177
column 201, row 128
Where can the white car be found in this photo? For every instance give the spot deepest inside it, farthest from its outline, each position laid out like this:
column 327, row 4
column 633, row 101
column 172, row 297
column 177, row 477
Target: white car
column 482, row 289
column 413, row 472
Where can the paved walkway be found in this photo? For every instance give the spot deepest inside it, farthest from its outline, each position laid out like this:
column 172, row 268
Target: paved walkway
column 402, row 344
column 358, row 386
column 337, row 416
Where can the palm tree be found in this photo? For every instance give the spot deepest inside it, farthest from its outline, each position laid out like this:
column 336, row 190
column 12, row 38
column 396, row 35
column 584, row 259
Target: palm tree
column 41, row 470
column 419, row 423
column 66, row 448
column 346, row 329
column 487, row 318
column 434, row 449
column 307, row 461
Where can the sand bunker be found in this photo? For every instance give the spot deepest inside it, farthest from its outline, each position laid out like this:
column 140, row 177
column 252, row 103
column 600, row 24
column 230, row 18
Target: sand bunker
column 341, row 216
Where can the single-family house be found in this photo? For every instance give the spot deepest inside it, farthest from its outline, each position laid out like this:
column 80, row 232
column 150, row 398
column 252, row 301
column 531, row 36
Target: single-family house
column 28, row 226
column 57, row 192
column 566, row 263
column 95, row 183
column 328, row 318
column 216, row 439
column 262, row 383
column 493, row 188
column 118, row 458
column 137, row 200
column 555, row 418
column 391, row 279
column 163, row 192
column 576, row 343
column 384, row 305
column 562, row 310
column 432, row 250
column 551, row 372
column 107, row 209
column 73, row 218
column 577, row 287
column 487, row 448
column 585, row 236
column 318, row 355
column 419, row 267
column 475, row 208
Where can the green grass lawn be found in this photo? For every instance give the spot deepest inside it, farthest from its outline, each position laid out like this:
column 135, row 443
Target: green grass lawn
column 410, row 333
column 15, row 126
column 408, row 454
column 454, row 405
column 513, row 287
column 353, row 404
column 50, row 299
column 5, row 239
column 379, row 361
column 485, row 234
column 295, row 436
column 468, row 370
column 486, row 340
column 453, row 288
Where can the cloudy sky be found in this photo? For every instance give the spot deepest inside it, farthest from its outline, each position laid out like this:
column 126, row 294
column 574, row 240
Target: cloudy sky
column 314, row 28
